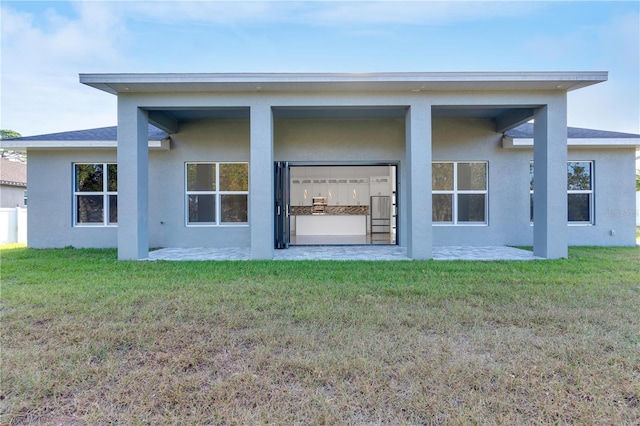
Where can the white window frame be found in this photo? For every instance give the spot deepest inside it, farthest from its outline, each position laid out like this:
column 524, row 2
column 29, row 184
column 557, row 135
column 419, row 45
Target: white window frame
column 590, row 192
column 217, row 193
column 455, row 192
column 105, row 193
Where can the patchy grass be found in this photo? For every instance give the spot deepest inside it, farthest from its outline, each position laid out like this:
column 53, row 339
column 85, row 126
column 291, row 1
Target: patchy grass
column 90, row 340
column 11, row 246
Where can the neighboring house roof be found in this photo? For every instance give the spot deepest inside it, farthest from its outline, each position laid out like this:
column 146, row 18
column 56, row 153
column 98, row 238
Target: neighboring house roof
column 103, row 137
column 13, row 173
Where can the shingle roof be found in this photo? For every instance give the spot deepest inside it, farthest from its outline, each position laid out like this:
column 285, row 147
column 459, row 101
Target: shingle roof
column 526, row 131
column 99, row 134
column 111, row 134
column 13, row 173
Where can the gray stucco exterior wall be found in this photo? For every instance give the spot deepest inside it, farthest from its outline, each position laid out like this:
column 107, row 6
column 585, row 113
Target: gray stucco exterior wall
column 50, row 175
column 50, row 208
column 12, row 196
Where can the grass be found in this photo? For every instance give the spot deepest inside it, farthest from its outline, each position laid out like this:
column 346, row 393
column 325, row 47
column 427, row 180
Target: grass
column 90, row 340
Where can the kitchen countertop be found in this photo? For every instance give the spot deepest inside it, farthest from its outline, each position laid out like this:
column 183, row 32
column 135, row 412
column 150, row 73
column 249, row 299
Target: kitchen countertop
column 331, row 211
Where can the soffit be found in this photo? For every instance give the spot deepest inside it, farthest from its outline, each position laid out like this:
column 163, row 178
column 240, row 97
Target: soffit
column 338, row 112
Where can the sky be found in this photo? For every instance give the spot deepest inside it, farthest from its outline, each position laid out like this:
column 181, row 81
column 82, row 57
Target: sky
column 46, row 44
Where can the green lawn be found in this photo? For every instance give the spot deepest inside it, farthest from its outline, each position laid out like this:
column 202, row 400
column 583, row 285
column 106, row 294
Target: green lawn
column 89, row 340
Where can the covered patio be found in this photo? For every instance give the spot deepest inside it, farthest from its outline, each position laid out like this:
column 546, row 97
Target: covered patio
column 261, row 103
column 347, row 252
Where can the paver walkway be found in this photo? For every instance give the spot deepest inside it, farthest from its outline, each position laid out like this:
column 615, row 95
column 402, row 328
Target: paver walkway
column 371, row 252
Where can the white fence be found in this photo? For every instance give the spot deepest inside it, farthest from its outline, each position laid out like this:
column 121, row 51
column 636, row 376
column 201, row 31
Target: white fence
column 13, row 225
column 638, row 208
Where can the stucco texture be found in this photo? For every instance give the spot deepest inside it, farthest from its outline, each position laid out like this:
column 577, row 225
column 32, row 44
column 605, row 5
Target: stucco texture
column 329, row 142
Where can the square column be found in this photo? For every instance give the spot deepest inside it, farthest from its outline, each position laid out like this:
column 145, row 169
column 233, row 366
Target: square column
column 261, row 183
column 550, row 180
column 419, row 233
column 133, row 181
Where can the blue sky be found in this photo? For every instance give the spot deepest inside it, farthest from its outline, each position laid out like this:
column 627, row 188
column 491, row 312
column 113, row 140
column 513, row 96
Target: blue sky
column 46, row 44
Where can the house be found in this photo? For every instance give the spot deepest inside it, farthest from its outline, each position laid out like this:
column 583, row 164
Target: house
column 637, row 189
column 268, row 160
column 13, row 183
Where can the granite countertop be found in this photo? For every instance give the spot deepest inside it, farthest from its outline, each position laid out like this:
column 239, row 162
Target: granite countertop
column 331, row 211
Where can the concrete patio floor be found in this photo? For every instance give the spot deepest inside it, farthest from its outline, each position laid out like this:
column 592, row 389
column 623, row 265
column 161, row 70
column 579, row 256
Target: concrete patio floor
column 365, row 252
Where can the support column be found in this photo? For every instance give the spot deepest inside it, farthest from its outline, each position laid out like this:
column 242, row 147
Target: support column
column 418, row 181
column 550, row 180
column 261, row 191
column 133, row 181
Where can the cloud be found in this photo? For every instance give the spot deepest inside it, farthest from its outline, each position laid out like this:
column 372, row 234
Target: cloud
column 326, row 13
column 43, row 51
column 613, row 46
column 213, row 12
column 41, row 58
column 414, row 12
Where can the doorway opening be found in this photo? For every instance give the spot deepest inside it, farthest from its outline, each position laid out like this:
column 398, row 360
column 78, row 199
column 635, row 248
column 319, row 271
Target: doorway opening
column 338, row 204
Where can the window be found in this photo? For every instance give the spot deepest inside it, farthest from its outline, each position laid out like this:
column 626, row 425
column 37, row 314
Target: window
column 459, row 192
column 95, row 194
column 217, row 193
column 579, row 192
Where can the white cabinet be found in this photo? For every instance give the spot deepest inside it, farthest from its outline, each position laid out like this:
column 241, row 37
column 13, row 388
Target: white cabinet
column 363, row 192
column 343, row 192
column 301, row 192
column 339, row 191
column 332, row 192
column 354, row 188
column 319, row 188
column 380, row 185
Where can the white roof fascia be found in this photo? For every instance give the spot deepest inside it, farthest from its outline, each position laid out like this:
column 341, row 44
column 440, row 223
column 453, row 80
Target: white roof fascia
column 416, row 81
column 527, row 143
column 156, row 145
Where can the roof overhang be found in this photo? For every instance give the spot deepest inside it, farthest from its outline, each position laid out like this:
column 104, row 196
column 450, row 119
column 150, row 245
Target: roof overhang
column 24, row 145
column 347, row 82
column 527, row 143
column 11, row 183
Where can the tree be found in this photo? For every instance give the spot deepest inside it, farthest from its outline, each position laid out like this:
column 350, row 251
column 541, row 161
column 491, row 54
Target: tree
column 8, row 154
column 9, row 134
column 638, row 180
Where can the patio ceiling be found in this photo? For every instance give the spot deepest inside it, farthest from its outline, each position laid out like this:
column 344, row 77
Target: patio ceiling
column 506, row 117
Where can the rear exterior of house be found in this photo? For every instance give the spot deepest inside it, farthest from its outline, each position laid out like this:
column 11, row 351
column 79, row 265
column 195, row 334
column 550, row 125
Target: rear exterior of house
column 264, row 161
